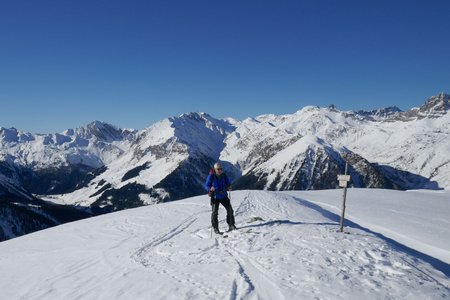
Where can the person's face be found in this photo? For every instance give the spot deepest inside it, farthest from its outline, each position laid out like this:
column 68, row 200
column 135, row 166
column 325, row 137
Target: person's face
column 219, row 170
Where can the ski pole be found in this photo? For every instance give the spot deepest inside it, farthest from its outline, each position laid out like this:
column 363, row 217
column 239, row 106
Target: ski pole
column 211, row 224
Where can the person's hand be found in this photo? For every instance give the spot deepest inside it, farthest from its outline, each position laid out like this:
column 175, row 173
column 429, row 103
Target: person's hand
column 212, row 189
column 229, row 188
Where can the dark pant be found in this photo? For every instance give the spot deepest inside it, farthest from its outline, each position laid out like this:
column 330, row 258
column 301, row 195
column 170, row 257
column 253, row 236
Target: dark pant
column 215, row 211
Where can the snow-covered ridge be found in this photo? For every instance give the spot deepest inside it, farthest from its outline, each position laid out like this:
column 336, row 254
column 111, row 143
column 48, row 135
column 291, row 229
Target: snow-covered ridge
column 380, row 114
column 93, row 145
column 385, row 148
column 435, row 106
column 287, row 247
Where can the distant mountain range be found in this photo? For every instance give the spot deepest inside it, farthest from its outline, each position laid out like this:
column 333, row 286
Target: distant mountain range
column 47, row 179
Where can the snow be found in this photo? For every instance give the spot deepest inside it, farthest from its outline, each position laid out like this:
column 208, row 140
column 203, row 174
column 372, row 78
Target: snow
column 417, row 219
column 94, row 145
column 291, row 251
column 417, row 146
column 282, row 158
column 161, row 148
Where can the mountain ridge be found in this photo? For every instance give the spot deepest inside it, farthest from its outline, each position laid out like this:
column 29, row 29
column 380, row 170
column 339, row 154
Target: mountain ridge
column 103, row 168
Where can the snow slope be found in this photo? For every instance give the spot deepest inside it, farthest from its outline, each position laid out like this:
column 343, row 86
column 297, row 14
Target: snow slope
column 287, row 248
column 417, row 219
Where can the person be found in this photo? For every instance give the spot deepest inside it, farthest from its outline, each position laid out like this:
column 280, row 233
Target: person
column 217, row 184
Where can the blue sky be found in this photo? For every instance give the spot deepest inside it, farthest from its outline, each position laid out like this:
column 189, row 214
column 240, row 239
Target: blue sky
column 131, row 63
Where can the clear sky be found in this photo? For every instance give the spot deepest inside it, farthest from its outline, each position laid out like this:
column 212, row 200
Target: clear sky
column 131, row 63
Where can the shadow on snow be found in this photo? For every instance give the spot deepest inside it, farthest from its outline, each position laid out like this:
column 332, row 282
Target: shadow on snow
column 436, row 263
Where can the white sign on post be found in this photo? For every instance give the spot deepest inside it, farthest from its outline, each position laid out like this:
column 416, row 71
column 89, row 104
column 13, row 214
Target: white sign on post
column 343, row 180
column 344, row 177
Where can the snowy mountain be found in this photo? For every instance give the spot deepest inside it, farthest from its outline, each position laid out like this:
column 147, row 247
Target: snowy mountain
column 22, row 213
column 310, row 147
column 380, row 114
column 287, row 247
column 47, row 164
column 434, row 107
column 102, row 168
column 56, row 163
column 164, row 162
column 92, row 145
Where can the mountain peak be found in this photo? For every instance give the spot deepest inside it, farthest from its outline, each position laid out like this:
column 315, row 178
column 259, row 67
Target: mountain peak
column 205, row 119
column 381, row 113
column 435, row 106
column 99, row 124
column 195, row 115
column 12, row 135
column 201, row 131
column 100, row 130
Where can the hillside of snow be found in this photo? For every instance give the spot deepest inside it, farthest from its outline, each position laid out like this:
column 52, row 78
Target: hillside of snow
column 287, row 247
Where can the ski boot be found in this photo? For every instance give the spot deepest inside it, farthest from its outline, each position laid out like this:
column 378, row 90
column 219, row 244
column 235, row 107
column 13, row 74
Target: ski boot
column 231, row 227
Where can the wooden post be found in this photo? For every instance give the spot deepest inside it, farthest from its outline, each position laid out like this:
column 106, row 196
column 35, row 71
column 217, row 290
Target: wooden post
column 341, row 224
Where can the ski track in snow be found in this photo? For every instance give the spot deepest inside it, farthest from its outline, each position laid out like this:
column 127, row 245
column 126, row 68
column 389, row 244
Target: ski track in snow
column 140, row 253
column 284, row 249
column 258, row 276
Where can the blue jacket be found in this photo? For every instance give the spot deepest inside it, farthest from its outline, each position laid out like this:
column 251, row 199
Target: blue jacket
column 220, row 185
